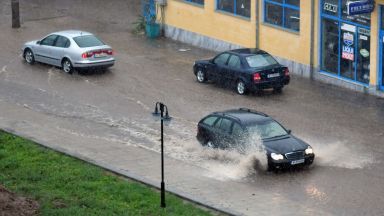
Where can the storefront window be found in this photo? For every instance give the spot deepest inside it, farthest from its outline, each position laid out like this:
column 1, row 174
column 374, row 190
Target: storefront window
column 237, row 7
column 363, row 54
column 330, row 46
column 345, row 42
column 201, row 2
column 284, row 13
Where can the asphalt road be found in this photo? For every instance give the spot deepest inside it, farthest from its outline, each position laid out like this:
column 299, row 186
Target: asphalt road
column 107, row 117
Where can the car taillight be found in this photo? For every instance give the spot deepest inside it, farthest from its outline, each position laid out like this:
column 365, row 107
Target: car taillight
column 256, row 77
column 109, row 52
column 286, row 72
column 87, row 55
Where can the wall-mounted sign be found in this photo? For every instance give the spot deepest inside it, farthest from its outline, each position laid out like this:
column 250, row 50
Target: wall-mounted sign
column 330, row 7
column 360, row 7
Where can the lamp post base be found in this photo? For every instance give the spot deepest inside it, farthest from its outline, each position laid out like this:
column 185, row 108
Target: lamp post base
column 162, row 203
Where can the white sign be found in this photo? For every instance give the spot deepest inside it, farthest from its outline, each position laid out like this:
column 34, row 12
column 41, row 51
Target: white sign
column 330, row 7
column 348, row 27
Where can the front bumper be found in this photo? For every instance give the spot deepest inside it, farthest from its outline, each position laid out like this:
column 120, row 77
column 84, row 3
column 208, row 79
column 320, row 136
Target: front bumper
column 285, row 163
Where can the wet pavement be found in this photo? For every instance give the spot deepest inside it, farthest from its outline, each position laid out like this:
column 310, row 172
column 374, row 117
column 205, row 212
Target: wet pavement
column 106, row 118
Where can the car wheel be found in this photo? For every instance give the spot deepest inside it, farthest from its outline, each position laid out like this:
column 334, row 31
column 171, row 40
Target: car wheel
column 278, row 89
column 29, row 57
column 241, row 89
column 67, row 66
column 200, row 76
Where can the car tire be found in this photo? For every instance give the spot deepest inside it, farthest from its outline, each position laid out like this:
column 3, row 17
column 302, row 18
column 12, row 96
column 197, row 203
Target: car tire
column 67, row 66
column 241, row 89
column 29, row 57
column 201, row 76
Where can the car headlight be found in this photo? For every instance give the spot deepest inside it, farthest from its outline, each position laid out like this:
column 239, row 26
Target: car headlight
column 309, row 150
column 275, row 156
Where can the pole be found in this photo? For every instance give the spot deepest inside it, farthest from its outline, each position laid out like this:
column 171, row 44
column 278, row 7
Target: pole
column 312, row 41
column 15, row 14
column 162, row 203
column 257, row 26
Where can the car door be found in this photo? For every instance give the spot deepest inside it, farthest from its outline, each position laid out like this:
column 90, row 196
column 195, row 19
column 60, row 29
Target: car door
column 59, row 49
column 234, row 69
column 219, row 68
column 239, row 138
column 43, row 50
column 223, row 138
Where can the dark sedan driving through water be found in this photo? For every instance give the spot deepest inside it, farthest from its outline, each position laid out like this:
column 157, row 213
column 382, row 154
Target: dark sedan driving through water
column 241, row 128
column 245, row 69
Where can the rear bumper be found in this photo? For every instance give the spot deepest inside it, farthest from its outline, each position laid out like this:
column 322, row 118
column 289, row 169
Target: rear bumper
column 270, row 84
column 89, row 64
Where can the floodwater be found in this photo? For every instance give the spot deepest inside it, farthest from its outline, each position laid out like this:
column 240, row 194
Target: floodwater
column 344, row 128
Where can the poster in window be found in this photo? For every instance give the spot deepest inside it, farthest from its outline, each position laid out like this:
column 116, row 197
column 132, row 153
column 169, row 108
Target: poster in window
column 348, row 50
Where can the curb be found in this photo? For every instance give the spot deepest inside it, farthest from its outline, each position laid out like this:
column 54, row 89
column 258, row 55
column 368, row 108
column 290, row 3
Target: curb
column 126, row 174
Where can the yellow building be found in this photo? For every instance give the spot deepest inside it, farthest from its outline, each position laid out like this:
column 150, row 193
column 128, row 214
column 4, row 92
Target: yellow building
column 336, row 41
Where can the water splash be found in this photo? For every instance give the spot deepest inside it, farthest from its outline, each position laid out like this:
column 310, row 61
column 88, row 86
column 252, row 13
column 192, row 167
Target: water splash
column 341, row 154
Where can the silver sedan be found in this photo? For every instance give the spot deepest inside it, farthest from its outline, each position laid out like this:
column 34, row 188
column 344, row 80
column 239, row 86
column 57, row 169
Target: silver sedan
column 70, row 50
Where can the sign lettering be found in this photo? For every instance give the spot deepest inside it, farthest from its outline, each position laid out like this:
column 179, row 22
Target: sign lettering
column 330, row 7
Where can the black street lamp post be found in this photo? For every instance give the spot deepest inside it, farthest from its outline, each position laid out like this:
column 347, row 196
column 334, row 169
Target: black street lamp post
column 163, row 118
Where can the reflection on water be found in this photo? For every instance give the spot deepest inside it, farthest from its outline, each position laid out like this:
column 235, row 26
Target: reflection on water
column 315, row 193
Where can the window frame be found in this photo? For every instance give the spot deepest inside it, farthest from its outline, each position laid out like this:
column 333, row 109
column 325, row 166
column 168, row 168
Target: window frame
column 234, row 12
column 195, row 3
column 284, row 6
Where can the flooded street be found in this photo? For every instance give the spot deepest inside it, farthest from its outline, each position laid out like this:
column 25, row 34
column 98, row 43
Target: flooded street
column 108, row 112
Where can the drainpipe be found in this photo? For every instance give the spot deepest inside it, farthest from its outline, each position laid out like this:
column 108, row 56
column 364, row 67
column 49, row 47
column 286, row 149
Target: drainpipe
column 257, row 25
column 312, row 41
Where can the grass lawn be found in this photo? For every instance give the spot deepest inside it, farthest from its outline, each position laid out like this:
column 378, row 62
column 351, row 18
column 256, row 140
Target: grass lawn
column 66, row 186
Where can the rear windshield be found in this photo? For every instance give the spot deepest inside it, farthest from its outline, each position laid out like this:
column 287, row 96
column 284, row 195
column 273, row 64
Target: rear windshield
column 88, row 41
column 260, row 60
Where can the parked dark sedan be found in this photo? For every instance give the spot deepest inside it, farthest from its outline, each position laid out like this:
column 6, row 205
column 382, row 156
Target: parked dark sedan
column 236, row 129
column 245, row 69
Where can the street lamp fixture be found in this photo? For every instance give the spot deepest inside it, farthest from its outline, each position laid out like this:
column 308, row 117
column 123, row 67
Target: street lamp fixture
column 163, row 108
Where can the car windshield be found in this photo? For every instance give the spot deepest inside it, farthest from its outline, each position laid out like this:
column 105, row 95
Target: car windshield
column 260, row 60
column 88, row 41
column 267, row 129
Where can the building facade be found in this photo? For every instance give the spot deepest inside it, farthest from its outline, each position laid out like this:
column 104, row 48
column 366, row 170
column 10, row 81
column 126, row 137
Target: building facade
column 336, row 41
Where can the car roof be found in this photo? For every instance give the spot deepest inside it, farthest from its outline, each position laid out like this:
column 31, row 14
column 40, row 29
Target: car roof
column 248, row 51
column 245, row 116
column 72, row 33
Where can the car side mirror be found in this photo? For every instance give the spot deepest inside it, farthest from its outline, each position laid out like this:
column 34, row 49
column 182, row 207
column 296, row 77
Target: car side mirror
column 38, row 42
column 289, row 131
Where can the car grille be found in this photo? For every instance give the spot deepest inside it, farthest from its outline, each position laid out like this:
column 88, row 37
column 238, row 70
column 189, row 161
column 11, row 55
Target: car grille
column 295, row 155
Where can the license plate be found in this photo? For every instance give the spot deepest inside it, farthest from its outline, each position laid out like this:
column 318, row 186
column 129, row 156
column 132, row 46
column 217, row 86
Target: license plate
column 297, row 161
column 273, row 75
column 99, row 55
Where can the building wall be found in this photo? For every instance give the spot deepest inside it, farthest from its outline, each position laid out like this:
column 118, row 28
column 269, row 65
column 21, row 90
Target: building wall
column 206, row 21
